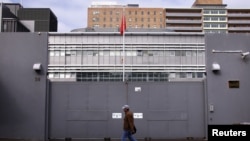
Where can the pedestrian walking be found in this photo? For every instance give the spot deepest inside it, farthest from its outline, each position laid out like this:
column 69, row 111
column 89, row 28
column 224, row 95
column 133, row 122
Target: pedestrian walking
column 128, row 124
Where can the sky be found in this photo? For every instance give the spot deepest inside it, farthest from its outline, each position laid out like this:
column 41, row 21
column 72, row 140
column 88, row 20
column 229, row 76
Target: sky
column 72, row 14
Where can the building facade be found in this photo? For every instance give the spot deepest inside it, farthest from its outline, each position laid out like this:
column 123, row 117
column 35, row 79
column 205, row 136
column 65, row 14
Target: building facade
column 204, row 16
column 145, row 56
column 184, row 20
column 15, row 18
column 9, row 19
column 106, row 15
column 38, row 19
column 209, row 16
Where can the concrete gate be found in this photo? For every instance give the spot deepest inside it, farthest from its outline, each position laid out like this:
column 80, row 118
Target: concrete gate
column 162, row 110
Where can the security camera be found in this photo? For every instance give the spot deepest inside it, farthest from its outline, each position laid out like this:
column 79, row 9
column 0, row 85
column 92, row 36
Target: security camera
column 244, row 54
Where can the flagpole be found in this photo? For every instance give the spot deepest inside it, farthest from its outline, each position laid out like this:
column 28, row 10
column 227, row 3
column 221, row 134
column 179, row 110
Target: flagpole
column 123, row 47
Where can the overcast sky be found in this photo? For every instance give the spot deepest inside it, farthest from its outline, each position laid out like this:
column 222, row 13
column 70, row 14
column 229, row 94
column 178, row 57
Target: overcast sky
column 72, row 14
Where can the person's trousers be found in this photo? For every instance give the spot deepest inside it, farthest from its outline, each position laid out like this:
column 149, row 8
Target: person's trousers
column 127, row 134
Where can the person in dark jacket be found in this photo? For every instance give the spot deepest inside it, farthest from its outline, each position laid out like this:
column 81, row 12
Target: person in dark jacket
column 128, row 124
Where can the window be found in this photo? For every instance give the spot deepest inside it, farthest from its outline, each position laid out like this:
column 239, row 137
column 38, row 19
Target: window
column 200, row 74
column 206, row 25
column 183, row 75
column 214, row 12
column 112, row 53
column 56, row 75
column 222, row 18
column 67, row 53
column 95, row 12
column 51, row 53
column 139, row 52
column 62, row 75
column 222, row 11
column 95, row 53
column 223, row 25
column 172, row 53
column 117, row 53
column 177, row 53
column 172, row 75
column 62, row 53
column 51, row 75
column 73, row 53
column 90, row 53
column 67, row 75
column 214, row 18
column 106, row 53
column 57, row 53
column 189, row 75
column 215, row 25
column 206, row 11
column 201, row 53
column 206, row 19
column 188, row 53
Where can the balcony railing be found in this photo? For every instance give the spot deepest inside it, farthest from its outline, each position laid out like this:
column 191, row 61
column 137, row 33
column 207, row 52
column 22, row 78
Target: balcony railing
column 184, row 21
column 238, row 15
column 184, row 14
column 239, row 28
column 239, row 22
column 183, row 28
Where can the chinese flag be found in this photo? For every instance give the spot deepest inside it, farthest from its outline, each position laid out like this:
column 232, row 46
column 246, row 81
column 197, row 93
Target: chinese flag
column 123, row 25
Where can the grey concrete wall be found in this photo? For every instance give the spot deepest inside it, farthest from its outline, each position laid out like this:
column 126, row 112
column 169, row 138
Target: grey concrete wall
column 1, row 15
column 230, row 105
column 171, row 110
column 23, row 91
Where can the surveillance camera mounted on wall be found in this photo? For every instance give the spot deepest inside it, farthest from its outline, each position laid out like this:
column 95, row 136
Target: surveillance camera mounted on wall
column 244, row 54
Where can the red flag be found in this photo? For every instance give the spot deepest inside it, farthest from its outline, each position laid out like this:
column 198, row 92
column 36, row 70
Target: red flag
column 123, row 25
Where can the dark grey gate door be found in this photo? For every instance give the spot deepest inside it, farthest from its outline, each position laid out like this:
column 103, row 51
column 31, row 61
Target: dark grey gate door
column 93, row 110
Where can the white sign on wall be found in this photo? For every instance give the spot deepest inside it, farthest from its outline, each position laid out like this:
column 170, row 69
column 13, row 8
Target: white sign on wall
column 137, row 89
column 116, row 115
column 138, row 115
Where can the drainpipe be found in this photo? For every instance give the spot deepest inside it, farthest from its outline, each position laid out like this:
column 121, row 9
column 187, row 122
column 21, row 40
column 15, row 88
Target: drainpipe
column 205, row 107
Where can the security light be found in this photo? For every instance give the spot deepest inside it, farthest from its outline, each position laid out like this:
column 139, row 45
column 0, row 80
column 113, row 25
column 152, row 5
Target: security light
column 37, row 66
column 215, row 67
